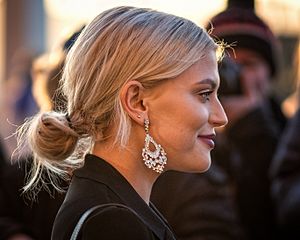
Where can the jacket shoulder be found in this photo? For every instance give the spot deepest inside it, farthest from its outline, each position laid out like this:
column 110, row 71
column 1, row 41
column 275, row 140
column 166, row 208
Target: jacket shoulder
column 115, row 222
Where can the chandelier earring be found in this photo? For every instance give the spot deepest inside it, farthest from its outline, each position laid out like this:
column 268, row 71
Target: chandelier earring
column 157, row 159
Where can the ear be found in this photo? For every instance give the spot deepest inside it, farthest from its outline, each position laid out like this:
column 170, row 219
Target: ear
column 131, row 97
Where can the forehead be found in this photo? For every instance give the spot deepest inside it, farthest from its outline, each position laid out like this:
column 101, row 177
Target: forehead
column 202, row 73
column 199, row 72
column 206, row 65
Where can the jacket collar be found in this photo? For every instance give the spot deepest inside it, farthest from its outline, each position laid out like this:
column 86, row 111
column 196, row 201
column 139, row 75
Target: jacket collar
column 101, row 171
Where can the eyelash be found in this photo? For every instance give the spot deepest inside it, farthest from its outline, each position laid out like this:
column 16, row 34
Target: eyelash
column 205, row 95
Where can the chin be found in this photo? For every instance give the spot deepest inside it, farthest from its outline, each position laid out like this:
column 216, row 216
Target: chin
column 190, row 164
column 207, row 166
column 203, row 166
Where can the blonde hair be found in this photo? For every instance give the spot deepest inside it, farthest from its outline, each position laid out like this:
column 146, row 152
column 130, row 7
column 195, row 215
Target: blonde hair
column 119, row 45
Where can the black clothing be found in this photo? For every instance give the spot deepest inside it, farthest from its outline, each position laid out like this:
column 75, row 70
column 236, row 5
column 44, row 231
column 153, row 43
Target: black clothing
column 198, row 205
column 285, row 175
column 99, row 183
column 20, row 215
column 246, row 152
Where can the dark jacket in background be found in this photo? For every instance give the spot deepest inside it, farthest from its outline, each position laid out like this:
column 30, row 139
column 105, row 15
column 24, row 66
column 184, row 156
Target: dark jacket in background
column 198, row 205
column 21, row 215
column 99, row 183
column 246, row 153
column 285, row 175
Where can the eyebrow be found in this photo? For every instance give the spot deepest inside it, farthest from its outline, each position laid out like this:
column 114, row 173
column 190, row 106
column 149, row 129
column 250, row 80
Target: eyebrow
column 208, row 81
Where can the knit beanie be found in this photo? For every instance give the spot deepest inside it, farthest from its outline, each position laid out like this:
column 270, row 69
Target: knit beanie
column 245, row 29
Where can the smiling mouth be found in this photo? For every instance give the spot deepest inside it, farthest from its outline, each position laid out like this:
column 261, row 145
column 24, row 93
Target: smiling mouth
column 208, row 140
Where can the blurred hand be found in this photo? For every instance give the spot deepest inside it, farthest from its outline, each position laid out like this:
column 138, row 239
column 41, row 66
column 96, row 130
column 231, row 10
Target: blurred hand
column 236, row 107
column 255, row 84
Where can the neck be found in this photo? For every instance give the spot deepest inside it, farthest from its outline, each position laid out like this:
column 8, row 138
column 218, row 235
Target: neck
column 129, row 163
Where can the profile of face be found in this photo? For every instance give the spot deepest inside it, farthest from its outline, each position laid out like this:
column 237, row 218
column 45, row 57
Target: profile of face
column 184, row 113
column 255, row 72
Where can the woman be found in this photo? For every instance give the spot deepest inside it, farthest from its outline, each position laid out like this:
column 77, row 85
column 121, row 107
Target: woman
column 141, row 85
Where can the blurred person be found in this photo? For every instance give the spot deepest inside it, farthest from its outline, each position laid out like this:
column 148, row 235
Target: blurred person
column 21, row 82
column 20, row 219
column 285, row 175
column 18, row 102
column 255, row 117
column 244, row 148
column 285, row 168
column 291, row 104
column 130, row 80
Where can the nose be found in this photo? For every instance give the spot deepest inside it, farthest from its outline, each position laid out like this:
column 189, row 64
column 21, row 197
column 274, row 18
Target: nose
column 218, row 116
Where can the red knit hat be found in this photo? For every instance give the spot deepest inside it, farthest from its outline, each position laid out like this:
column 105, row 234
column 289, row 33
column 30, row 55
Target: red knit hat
column 244, row 28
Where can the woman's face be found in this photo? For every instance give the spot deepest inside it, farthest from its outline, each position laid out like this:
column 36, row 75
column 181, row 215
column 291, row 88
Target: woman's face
column 184, row 113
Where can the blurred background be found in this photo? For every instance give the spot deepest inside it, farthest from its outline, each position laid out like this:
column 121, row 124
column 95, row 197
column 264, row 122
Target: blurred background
column 29, row 28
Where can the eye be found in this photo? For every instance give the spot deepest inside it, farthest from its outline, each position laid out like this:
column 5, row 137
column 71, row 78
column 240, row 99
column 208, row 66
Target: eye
column 205, row 96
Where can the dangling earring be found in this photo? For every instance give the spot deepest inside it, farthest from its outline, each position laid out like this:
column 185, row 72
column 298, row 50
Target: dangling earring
column 157, row 159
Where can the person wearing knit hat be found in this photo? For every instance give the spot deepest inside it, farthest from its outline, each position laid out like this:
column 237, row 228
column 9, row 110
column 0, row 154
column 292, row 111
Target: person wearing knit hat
column 255, row 118
column 256, row 51
column 245, row 29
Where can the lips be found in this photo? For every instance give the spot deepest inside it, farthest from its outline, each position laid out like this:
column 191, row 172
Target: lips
column 208, row 140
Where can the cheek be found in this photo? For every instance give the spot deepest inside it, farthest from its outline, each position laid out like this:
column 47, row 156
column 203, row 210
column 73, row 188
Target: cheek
column 175, row 122
column 180, row 130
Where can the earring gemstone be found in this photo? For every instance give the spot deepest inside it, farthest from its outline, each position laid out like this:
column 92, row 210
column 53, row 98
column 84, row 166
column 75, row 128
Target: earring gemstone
column 156, row 159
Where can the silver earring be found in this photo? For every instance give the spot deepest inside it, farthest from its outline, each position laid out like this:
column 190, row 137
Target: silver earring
column 157, row 159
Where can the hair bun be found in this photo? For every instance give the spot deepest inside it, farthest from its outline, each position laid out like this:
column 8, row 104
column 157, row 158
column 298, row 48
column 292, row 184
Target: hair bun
column 51, row 136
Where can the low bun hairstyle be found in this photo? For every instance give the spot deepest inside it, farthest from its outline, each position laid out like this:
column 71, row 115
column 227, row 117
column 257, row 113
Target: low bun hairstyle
column 53, row 128
column 119, row 45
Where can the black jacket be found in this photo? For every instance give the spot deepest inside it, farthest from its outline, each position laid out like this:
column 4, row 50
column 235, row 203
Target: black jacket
column 99, row 183
column 285, row 175
column 198, row 206
column 249, row 147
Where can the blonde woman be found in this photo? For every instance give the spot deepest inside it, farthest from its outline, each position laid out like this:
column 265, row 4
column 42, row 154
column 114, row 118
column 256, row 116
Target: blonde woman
column 141, row 86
